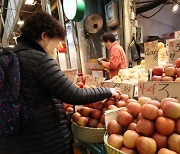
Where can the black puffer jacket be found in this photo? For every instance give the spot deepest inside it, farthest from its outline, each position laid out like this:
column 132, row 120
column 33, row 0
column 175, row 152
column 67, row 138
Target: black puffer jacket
column 42, row 81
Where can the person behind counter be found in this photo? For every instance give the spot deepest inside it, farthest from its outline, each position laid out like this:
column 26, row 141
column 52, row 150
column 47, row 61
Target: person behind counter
column 117, row 58
column 43, row 87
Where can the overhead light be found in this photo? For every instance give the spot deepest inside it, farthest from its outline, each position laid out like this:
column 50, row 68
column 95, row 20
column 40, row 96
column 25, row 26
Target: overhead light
column 20, row 22
column 11, row 46
column 175, row 8
column 30, row 2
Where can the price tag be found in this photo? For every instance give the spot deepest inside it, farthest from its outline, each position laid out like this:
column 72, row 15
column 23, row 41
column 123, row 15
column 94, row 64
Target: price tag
column 177, row 35
column 174, row 50
column 159, row 90
column 151, row 55
column 126, row 88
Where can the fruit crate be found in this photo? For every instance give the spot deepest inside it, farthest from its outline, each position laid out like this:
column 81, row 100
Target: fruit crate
column 88, row 134
column 109, row 148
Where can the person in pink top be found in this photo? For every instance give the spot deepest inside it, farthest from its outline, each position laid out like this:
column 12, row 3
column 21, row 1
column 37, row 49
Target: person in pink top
column 117, row 58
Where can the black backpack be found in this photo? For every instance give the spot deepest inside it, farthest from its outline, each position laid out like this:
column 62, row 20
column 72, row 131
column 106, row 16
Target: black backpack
column 14, row 112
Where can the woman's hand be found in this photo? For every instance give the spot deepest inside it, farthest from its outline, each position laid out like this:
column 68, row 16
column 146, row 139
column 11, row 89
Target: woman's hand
column 116, row 92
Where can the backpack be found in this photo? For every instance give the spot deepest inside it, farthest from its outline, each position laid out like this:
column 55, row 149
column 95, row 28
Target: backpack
column 14, row 112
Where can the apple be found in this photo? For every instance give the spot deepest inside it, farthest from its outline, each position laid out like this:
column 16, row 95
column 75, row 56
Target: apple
column 157, row 70
column 174, row 143
column 96, row 114
column 178, row 63
column 70, row 109
column 168, row 65
column 178, row 72
column 167, row 78
column 130, row 138
column 124, row 118
column 93, row 122
column 139, row 117
column 170, row 71
column 82, row 121
column 116, row 141
column 168, row 99
column 99, row 105
column 142, row 100
column 145, row 127
column 76, row 116
column 156, row 78
column 80, row 84
column 165, row 126
column 108, row 102
column 104, row 109
column 132, row 126
column 114, row 127
column 120, row 103
column 134, row 108
column 149, row 111
column 102, row 120
column 146, row 145
column 154, row 102
column 128, row 151
column 161, row 114
column 166, row 151
column 124, row 97
column 100, row 125
column 178, row 126
column 111, row 107
column 85, row 111
column 131, row 100
column 161, row 141
column 171, row 110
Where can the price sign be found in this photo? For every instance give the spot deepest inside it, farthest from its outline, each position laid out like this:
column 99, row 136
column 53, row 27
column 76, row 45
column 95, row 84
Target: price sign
column 159, row 90
column 126, row 88
column 174, row 50
column 151, row 55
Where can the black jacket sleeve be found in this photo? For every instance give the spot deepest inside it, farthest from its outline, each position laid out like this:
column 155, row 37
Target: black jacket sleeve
column 54, row 80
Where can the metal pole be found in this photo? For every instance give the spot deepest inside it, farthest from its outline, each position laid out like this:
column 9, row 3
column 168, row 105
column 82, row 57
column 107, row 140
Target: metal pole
column 46, row 6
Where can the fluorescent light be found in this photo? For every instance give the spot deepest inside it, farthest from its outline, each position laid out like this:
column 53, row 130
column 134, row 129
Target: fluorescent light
column 11, row 46
column 175, row 8
column 20, row 22
column 30, row 2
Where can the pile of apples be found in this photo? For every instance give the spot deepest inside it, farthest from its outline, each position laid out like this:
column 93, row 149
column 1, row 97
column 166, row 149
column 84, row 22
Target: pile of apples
column 147, row 126
column 92, row 115
column 68, row 107
column 169, row 72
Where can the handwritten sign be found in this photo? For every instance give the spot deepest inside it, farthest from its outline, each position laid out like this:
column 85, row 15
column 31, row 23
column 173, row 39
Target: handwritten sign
column 126, row 88
column 159, row 90
column 177, row 35
column 151, row 55
column 96, row 81
column 174, row 50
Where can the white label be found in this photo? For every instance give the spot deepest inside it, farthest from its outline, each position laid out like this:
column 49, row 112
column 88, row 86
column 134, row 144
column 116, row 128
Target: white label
column 177, row 35
column 126, row 88
column 151, row 55
column 159, row 90
column 174, row 50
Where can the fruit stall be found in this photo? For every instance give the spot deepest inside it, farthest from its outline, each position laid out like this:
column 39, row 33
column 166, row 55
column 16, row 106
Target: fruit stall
column 146, row 117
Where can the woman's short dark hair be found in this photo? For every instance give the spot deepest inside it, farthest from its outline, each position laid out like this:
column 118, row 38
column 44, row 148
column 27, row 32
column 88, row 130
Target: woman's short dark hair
column 41, row 22
column 107, row 37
